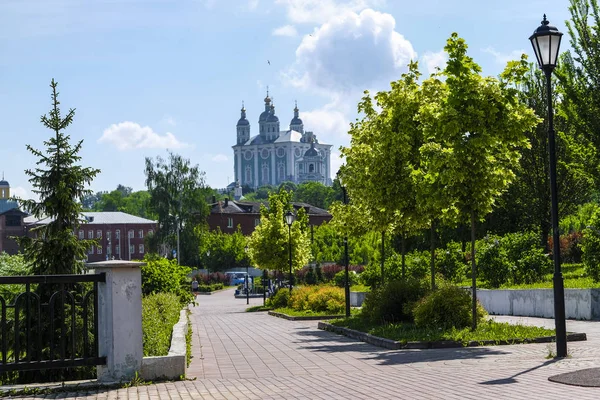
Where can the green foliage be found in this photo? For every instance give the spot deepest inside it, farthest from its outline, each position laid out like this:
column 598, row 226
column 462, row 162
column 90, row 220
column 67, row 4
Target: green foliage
column 529, row 262
column 340, row 278
column 451, row 262
column 160, row 311
column 160, row 275
column 60, row 182
column 223, row 251
column 12, row 265
column 269, row 243
column 310, row 278
column 280, row 299
column 177, row 197
column 394, row 301
column 445, row 308
column 318, row 299
column 494, row 266
column 590, row 245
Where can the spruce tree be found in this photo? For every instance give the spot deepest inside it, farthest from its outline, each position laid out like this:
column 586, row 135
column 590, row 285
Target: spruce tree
column 60, row 183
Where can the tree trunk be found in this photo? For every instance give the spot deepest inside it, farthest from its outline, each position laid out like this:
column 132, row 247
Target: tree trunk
column 473, row 272
column 382, row 258
column 432, row 255
column 403, row 256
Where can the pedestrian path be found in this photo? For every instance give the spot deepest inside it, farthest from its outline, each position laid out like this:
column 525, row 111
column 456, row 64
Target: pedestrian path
column 239, row 355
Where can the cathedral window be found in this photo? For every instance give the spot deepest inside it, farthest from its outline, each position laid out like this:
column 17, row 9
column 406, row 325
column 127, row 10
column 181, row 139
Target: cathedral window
column 281, row 172
column 311, row 168
column 248, row 175
column 265, row 173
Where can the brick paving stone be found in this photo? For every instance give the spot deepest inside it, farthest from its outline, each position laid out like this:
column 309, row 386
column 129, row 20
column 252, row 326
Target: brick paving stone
column 238, row 355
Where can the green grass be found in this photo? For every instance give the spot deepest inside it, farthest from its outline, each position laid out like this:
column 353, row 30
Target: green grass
column 404, row 332
column 360, row 288
column 573, row 274
column 294, row 313
column 258, row 308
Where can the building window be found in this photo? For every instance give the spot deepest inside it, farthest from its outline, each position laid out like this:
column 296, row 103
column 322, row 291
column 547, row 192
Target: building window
column 229, row 222
column 256, row 221
column 141, row 249
column 130, row 234
column 99, row 248
column 90, row 234
column 248, row 175
column 265, row 173
column 281, row 172
column 118, row 250
column 150, row 232
column 131, row 249
column 81, row 234
column 311, row 168
column 13, row 220
column 141, row 234
column 91, row 250
column 108, row 235
column 118, row 234
column 98, row 234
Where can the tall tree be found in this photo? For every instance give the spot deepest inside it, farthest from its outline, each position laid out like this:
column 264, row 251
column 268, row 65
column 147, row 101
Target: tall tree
column 177, row 197
column 474, row 132
column 268, row 244
column 60, row 183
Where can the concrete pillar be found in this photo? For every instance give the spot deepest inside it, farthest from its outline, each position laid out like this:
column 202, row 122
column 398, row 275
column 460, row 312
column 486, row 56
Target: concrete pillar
column 119, row 319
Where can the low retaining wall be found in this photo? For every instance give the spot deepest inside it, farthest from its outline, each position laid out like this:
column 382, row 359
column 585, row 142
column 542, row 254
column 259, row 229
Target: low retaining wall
column 174, row 365
column 583, row 304
column 357, row 298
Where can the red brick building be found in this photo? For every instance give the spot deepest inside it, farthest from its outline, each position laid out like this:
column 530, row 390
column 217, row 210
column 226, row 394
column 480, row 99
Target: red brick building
column 121, row 236
column 228, row 214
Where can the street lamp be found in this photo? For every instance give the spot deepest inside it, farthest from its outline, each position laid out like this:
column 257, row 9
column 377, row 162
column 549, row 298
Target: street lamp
column 207, row 261
column 247, row 278
column 546, row 43
column 347, row 278
column 289, row 220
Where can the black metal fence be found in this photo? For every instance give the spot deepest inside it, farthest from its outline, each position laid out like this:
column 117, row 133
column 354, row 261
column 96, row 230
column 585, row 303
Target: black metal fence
column 49, row 322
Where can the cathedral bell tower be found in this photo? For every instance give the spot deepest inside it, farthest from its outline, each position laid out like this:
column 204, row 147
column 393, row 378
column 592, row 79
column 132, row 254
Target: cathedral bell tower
column 243, row 127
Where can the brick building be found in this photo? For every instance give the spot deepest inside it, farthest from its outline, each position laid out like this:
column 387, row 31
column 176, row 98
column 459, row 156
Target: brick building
column 228, row 214
column 121, row 236
column 11, row 220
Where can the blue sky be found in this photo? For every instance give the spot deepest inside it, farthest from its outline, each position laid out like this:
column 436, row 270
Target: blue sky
column 150, row 75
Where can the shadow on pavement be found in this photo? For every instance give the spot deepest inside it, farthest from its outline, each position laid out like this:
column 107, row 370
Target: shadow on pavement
column 511, row 379
column 328, row 342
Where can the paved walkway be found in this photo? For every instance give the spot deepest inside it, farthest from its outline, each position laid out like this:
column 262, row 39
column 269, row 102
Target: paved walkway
column 240, row 355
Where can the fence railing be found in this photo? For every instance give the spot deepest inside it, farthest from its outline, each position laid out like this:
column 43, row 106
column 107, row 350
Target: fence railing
column 49, row 321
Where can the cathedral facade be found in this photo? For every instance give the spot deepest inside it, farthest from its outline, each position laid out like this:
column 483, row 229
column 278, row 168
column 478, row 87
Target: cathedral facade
column 275, row 156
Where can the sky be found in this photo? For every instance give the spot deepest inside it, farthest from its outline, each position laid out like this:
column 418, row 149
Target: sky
column 151, row 76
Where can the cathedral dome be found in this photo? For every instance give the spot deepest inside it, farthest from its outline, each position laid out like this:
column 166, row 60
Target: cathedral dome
column 263, row 116
column 296, row 121
column 312, row 152
column 273, row 118
column 243, row 121
column 4, row 183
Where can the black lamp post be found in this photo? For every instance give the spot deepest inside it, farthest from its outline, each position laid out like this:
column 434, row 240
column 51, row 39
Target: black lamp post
column 347, row 277
column 289, row 220
column 247, row 278
column 546, row 43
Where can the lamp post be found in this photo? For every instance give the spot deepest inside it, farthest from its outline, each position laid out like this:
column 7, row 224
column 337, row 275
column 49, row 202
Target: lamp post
column 347, row 277
column 546, row 43
column 207, row 269
column 247, row 278
column 289, row 220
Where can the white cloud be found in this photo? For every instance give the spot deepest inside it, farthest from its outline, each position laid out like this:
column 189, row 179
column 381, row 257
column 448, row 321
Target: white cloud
column 320, row 11
column 286, row 30
column 503, row 58
column 434, row 60
column 336, row 163
column 220, row 158
column 252, row 4
column 21, row 193
column 349, row 52
column 329, row 124
column 130, row 135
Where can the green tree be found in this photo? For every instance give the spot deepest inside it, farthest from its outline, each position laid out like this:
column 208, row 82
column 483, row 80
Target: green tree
column 223, row 251
column 314, row 193
column 177, row 198
column 474, row 132
column 60, row 183
column 268, row 244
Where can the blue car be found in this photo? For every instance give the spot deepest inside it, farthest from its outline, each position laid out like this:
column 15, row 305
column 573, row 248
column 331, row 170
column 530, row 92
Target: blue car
column 237, row 278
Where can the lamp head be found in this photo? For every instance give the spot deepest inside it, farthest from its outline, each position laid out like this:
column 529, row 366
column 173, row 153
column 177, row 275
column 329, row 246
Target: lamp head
column 546, row 45
column 289, row 218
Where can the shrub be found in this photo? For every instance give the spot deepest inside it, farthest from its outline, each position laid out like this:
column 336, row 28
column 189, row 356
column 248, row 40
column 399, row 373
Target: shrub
column 570, row 245
column 319, row 273
column 318, row 299
column 393, row 302
column 492, row 261
column 280, row 299
column 418, row 264
column 448, row 307
column 311, row 277
column 451, row 262
column 160, row 311
column 590, row 246
column 160, row 275
column 340, row 278
column 528, row 260
column 329, row 271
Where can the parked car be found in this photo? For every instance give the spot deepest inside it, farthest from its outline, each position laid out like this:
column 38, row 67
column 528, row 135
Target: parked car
column 238, row 278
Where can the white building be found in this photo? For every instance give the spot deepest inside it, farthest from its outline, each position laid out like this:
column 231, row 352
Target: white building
column 274, row 156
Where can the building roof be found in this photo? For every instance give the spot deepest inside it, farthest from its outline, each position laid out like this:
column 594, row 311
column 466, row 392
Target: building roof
column 103, row 217
column 248, row 207
column 7, row 205
column 4, row 183
column 289, row 136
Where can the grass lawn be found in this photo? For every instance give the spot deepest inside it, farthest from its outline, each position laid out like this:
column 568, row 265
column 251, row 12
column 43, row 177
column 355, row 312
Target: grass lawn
column 573, row 274
column 294, row 313
column 404, row 332
column 258, row 308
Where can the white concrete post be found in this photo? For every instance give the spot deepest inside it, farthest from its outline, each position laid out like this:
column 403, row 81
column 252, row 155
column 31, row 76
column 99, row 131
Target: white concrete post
column 119, row 319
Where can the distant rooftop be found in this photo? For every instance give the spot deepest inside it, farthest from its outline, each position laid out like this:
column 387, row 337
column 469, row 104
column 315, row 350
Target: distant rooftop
column 103, row 217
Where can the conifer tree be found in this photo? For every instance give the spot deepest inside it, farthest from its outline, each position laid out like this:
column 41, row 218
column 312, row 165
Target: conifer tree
column 60, row 183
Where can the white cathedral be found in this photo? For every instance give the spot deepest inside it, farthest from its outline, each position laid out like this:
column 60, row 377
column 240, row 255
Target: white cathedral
column 274, row 156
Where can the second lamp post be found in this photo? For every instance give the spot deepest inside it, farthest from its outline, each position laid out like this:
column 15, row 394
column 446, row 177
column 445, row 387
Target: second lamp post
column 289, row 220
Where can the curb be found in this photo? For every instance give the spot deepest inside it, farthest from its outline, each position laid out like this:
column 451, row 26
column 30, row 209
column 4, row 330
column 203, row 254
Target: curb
column 443, row 344
column 307, row 318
